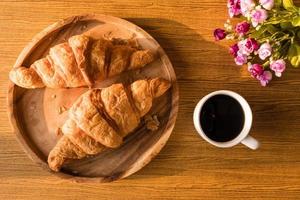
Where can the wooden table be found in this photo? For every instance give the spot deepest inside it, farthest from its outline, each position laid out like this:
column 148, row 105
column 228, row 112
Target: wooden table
column 188, row 167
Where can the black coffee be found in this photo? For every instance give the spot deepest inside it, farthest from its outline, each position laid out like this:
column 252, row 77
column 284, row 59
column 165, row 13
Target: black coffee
column 222, row 118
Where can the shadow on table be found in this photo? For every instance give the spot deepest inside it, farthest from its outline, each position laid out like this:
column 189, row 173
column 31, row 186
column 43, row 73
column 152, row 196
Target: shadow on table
column 186, row 50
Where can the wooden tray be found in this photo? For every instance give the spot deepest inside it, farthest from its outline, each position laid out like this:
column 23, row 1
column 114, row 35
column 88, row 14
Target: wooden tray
column 34, row 114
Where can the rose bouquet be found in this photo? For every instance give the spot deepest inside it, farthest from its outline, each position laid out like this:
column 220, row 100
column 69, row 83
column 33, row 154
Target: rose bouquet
column 266, row 39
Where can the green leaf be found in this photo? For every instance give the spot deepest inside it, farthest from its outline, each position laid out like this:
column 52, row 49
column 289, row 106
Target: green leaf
column 265, row 30
column 260, row 32
column 289, row 5
column 286, row 25
column 298, row 34
column 294, row 55
column 296, row 21
column 271, row 29
column 278, row 3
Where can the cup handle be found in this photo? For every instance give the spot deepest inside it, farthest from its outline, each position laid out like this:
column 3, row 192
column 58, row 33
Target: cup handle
column 250, row 142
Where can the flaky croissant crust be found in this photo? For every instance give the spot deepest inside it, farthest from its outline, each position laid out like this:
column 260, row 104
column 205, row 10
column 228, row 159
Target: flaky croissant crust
column 80, row 62
column 101, row 118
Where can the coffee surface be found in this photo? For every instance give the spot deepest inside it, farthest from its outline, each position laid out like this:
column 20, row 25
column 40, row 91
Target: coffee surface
column 222, row 118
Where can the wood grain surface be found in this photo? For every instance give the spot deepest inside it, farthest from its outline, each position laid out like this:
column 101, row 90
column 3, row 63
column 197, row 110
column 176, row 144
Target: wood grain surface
column 187, row 167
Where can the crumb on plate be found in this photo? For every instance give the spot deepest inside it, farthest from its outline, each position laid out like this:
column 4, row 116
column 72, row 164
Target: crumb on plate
column 152, row 122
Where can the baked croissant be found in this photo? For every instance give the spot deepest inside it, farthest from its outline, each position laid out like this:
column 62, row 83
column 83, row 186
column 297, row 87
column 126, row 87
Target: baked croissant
column 81, row 61
column 101, row 118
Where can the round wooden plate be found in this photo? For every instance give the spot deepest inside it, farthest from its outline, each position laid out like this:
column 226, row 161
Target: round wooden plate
column 35, row 114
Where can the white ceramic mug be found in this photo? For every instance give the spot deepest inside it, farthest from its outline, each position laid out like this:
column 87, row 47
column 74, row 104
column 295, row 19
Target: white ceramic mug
column 243, row 137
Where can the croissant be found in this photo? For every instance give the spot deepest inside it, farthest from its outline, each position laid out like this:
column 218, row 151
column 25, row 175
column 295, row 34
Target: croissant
column 80, row 62
column 101, row 118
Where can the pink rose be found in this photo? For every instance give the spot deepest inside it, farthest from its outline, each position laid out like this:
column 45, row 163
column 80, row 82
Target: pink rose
column 246, row 7
column 255, row 70
column 247, row 46
column 278, row 67
column 240, row 59
column 267, row 4
column 242, row 27
column 265, row 78
column 234, row 50
column 219, row 34
column 252, row 44
column 264, row 51
column 234, row 7
column 258, row 16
